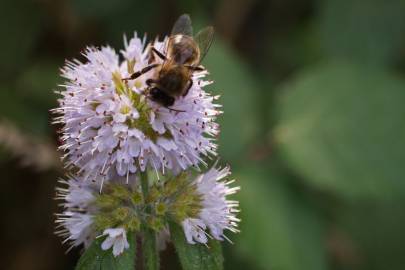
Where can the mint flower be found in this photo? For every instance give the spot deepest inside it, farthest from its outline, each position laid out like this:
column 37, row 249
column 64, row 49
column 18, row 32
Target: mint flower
column 200, row 205
column 76, row 228
column 110, row 128
column 217, row 213
column 115, row 132
column 74, row 223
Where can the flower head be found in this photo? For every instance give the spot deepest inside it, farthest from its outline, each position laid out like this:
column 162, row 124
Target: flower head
column 79, row 222
column 200, row 205
column 111, row 128
column 122, row 115
column 74, row 224
column 217, row 212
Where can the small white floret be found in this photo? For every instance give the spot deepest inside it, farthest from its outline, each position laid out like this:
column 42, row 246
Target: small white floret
column 117, row 239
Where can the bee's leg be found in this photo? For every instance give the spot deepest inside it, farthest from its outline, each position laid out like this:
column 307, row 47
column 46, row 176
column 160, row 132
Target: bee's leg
column 146, row 92
column 140, row 72
column 195, row 68
column 150, row 82
column 175, row 110
column 190, row 84
column 161, row 55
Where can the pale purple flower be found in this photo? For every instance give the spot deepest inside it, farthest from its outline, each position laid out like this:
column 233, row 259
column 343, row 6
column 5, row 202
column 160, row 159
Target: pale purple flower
column 194, row 230
column 74, row 223
column 75, row 228
column 218, row 213
column 102, row 136
column 77, row 194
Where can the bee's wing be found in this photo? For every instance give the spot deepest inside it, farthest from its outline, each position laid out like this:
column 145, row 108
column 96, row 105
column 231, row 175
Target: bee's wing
column 204, row 40
column 183, row 26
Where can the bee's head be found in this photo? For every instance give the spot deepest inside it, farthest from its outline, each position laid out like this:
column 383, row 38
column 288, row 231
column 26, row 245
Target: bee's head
column 159, row 96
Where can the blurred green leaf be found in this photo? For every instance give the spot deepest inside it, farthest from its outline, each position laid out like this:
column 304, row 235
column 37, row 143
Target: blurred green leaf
column 296, row 49
column 237, row 87
column 375, row 233
column 341, row 127
column 121, row 17
column 197, row 256
column 37, row 83
column 368, row 31
column 20, row 26
column 26, row 115
column 279, row 229
column 94, row 258
column 99, row 9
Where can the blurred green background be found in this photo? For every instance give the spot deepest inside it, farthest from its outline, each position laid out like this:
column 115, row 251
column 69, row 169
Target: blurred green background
column 314, row 124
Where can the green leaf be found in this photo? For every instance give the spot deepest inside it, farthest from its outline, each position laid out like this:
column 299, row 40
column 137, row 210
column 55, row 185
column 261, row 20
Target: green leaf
column 94, row 258
column 197, row 256
column 279, row 229
column 237, row 87
column 94, row 8
column 341, row 127
column 38, row 82
column 22, row 112
column 370, row 235
column 370, row 31
column 118, row 17
column 294, row 49
column 21, row 28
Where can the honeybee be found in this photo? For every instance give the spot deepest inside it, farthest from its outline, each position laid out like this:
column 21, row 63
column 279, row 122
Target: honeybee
column 182, row 57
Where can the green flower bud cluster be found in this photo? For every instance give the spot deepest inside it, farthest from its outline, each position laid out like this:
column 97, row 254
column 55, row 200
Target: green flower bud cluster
column 182, row 198
column 122, row 206
column 118, row 206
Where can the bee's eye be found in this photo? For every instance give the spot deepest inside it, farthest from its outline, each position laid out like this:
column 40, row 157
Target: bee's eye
column 154, row 91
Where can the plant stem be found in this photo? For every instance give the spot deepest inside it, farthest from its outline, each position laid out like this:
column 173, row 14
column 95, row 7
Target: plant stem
column 150, row 252
column 144, row 184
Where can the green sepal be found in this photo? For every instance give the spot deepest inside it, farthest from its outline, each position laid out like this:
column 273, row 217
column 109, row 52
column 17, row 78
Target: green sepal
column 197, row 256
column 94, row 258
